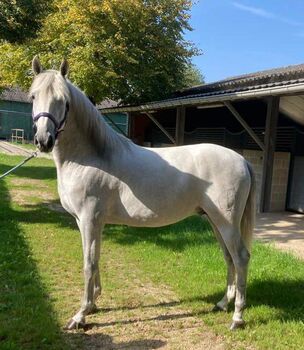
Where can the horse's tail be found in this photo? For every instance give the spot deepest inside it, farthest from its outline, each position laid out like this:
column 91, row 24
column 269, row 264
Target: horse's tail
column 248, row 218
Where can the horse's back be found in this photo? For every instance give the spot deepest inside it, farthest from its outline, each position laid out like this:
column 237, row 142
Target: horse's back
column 220, row 175
column 204, row 160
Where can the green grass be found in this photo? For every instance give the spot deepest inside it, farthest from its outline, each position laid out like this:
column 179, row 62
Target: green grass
column 41, row 272
column 186, row 257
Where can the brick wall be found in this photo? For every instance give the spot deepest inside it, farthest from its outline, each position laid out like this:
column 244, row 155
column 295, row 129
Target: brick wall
column 279, row 181
column 279, row 177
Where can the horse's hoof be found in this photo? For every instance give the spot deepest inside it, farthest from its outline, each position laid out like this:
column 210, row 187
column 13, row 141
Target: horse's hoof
column 218, row 308
column 72, row 324
column 237, row 325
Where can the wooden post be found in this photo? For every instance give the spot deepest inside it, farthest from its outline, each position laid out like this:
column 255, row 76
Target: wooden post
column 180, row 125
column 270, row 143
column 129, row 121
column 160, row 127
column 245, row 125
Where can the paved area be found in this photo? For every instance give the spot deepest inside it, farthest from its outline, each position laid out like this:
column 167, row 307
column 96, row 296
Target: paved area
column 12, row 149
column 284, row 229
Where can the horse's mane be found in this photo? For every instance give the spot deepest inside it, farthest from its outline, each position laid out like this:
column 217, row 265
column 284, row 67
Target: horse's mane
column 51, row 81
column 88, row 118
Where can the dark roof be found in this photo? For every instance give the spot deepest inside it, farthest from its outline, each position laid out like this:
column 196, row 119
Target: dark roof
column 267, row 78
column 278, row 81
column 14, row 94
column 107, row 103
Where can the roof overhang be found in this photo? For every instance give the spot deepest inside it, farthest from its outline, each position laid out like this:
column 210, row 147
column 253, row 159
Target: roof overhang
column 289, row 88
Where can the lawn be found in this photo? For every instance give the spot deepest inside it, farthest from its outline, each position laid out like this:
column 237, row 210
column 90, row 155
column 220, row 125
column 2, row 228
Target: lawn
column 41, row 271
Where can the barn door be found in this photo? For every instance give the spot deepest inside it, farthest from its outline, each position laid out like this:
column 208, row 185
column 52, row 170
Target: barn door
column 296, row 186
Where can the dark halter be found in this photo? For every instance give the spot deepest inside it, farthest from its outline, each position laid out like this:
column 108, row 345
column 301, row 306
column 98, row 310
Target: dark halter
column 58, row 126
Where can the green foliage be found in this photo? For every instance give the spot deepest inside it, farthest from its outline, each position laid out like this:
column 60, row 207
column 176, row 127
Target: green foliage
column 21, row 19
column 193, row 76
column 131, row 50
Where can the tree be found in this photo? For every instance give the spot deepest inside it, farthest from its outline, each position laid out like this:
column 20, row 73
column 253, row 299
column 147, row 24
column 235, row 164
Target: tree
column 21, row 19
column 131, row 50
column 193, row 76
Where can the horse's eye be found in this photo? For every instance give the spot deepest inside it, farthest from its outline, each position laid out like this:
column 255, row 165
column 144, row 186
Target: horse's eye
column 33, row 97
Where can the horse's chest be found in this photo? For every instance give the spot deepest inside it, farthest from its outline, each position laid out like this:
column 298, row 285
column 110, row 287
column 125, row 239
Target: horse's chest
column 71, row 194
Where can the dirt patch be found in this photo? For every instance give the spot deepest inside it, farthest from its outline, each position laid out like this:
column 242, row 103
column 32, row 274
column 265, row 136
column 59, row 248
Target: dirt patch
column 29, row 192
column 30, row 197
column 151, row 326
column 141, row 315
column 23, row 182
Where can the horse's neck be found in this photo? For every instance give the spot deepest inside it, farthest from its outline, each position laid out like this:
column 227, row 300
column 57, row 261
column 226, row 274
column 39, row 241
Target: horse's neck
column 80, row 140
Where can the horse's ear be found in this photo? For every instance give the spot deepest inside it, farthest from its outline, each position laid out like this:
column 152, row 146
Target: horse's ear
column 36, row 65
column 64, row 68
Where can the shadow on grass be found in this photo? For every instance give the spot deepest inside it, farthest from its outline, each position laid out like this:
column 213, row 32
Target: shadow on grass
column 31, row 171
column 26, row 316
column 106, row 342
column 193, row 231
column 167, row 317
column 284, row 296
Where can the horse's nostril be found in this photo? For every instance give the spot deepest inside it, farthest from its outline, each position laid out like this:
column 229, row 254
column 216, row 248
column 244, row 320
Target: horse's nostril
column 50, row 142
column 35, row 140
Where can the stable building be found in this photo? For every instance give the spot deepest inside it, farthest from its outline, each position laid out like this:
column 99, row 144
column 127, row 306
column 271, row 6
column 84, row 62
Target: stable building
column 260, row 115
column 15, row 114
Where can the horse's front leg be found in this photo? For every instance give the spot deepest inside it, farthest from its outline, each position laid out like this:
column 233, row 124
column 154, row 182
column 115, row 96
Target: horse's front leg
column 97, row 282
column 91, row 234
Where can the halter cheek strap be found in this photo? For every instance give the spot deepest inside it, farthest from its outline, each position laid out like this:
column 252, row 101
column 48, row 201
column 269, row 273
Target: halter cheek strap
column 58, row 126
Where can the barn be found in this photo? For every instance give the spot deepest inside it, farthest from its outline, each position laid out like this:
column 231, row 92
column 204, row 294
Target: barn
column 15, row 113
column 260, row 115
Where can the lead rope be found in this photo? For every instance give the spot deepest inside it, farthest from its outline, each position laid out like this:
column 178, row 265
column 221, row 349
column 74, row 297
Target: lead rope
column 33, row 155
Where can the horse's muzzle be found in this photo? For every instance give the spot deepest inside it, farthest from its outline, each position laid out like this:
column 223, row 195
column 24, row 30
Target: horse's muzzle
column 44, row 144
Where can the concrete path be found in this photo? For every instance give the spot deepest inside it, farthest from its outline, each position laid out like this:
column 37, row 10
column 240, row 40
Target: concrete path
column 12, row 149
column 284, row 229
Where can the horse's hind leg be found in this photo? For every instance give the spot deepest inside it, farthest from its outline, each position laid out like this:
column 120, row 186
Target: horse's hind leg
column 240, row 256
column 230, row 289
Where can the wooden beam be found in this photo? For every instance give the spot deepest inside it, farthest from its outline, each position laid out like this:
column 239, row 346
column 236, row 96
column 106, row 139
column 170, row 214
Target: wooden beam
column 129, row 121
column 270, row 143
column 155, row 121
column 245, row 125
column 180, row 125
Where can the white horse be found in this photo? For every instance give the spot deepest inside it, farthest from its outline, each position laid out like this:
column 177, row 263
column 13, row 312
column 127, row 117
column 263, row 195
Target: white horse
column 105, row 178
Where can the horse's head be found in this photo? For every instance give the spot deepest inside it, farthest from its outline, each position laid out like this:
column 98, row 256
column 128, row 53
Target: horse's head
column 50, row 95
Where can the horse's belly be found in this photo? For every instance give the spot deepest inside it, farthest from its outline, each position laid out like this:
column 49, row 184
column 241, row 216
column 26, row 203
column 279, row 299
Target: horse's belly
column 150, row 213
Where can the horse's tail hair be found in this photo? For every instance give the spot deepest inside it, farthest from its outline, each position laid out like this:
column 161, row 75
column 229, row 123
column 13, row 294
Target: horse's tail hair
column 248, row 218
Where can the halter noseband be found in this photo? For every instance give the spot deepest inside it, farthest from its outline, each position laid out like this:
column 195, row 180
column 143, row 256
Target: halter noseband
column 58, row 126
